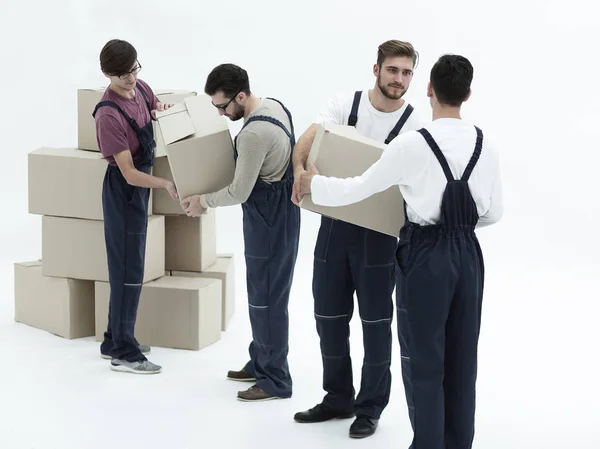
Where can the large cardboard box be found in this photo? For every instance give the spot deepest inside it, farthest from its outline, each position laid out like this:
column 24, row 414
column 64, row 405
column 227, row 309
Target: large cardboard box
column 340, row 151
column 174, row 312
column 75, row 248
column 64, row 307
column 223, row 269
column 67, row 182
column 162, row 203
column 87, row 99
column 198, row 145
column 191, row 243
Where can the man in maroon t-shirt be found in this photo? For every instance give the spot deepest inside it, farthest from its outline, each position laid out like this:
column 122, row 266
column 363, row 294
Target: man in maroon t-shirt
column 126, row 140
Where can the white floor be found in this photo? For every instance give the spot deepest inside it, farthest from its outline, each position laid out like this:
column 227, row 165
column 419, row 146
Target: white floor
column 537, row 377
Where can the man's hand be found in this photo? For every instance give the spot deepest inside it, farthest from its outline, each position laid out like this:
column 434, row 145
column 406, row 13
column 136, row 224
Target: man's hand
column 160, row 107
column 170, row 187
column 296, row 195
column 307, row 179
column 192, row 206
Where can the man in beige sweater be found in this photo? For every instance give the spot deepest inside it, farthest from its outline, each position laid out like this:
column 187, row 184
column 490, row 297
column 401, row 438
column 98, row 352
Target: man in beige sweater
column 262, row 184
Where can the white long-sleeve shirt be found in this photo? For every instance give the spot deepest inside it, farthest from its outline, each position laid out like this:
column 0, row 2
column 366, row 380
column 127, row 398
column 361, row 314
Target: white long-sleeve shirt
column 409, row 163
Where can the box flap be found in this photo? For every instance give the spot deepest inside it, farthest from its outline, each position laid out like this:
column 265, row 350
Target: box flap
column 175, row 123
column 33, row 263
column 66, row 152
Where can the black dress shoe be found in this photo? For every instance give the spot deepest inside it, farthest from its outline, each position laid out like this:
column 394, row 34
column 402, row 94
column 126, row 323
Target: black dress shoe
column 363, row 427
column 320, row 413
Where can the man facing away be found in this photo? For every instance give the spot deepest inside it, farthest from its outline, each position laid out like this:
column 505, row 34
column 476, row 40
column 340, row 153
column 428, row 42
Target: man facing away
column 349, row 258
column 449, row 176
column 262, row 183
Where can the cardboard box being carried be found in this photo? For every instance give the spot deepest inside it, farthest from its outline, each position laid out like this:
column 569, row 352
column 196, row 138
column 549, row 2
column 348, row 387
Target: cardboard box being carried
column 67, row 182
column 87, row 99
column 223, row 269
column 198, row 145
column 340, row 151
column 174, row 312
column 63, row 307
column 191, row 243
column 74, row 248
column 162, row 203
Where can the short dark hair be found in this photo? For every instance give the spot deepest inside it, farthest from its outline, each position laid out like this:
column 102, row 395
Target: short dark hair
column 394, row 48
column 117, row 57
column 451, row 78
column 228, row 78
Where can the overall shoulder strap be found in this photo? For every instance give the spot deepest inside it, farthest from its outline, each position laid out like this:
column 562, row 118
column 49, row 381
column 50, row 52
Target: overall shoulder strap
column 289, row 114
column 475, row 157
column 394, row 133
column 131, row 121
column 438, row 153
column 353, row 118
column 266, row 118
column 145, row 97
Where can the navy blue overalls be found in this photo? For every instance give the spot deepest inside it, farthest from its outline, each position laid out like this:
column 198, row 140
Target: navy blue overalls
column 349, row 258
column 125, row 223
column 439, row 296
column 271, row 224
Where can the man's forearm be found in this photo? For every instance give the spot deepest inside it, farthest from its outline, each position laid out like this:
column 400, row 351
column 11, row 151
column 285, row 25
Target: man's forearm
column 137, row 178
column 302, row 148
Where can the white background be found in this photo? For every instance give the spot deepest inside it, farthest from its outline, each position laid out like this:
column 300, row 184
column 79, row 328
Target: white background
column 535, row 90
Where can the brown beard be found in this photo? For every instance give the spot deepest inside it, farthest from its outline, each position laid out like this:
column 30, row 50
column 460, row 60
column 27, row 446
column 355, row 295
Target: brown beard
column 385, row 91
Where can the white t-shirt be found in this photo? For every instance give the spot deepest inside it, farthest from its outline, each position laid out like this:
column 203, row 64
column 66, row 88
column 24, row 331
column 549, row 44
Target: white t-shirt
column 409, row 163
column 371, row 123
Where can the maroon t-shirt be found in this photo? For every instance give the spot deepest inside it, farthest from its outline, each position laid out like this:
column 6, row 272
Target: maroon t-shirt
column 113, row 133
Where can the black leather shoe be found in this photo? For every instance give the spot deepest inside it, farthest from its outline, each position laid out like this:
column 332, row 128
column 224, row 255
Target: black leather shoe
column 363, row 427
column 321, row 413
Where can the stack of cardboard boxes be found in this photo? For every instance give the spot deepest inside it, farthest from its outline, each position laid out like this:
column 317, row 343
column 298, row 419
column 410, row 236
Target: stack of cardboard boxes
column 188, row 294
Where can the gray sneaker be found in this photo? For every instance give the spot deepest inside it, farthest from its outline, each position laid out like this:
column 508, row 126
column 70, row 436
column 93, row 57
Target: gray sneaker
column 139, row 367
column 144, row 348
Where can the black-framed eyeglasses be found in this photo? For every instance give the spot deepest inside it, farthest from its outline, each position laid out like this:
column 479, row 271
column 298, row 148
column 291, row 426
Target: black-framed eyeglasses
column 222, row 107
column 135, row 71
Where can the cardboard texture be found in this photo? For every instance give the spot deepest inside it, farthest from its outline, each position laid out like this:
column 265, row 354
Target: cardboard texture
column 223, row 269
column 64, row 307
column 340, row 151
column 191, row 243
column 198, row 145
column 87, row 99
column 74, row 248
column 174, row 312
column 66, row 182
column 162, row 203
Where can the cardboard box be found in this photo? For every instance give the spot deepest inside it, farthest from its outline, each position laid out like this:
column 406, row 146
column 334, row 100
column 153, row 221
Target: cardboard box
column 67, row 182
column 75, row 248
column 340, row 151
column 174, row 312
column 223, row 269
column 198, row 145
column 64, row 307
column 87, row 99
column 162, row 203
column 191, row 243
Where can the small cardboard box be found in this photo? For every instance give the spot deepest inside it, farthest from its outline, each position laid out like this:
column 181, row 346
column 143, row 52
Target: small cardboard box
column 198, row 145
column 223, row 269
column 340, row 151
column 87, row 99
column 64, row 307
column 75, row 248
column 67, row 182
column 174, row 312
column 191, row 243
